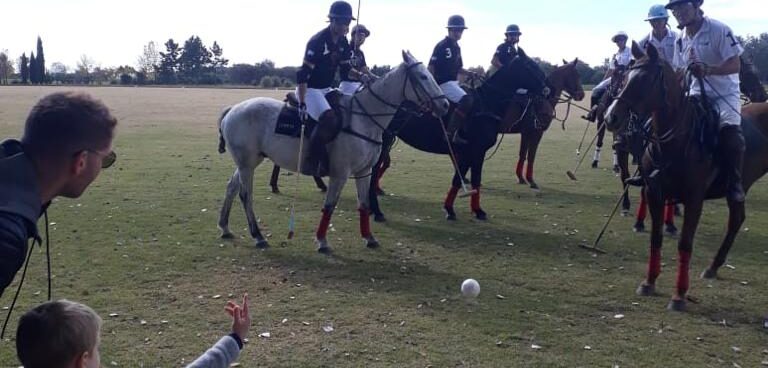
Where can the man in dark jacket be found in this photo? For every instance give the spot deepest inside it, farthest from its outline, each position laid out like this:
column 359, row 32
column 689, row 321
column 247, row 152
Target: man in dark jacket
column 67, row 141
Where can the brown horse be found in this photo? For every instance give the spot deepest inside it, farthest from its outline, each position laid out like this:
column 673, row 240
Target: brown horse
column 532, row 118
column 686, row 173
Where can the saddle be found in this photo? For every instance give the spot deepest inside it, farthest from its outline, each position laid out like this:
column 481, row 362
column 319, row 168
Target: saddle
column 289, row 121
column 706, row 125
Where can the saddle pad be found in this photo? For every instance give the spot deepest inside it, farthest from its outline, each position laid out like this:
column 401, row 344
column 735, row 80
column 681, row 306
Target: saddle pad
column 288, row 122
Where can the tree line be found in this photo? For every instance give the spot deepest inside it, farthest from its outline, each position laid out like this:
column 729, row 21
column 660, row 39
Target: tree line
column 194, row 63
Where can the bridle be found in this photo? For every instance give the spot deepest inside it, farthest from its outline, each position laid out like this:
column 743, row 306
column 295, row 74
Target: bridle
column 425, row 103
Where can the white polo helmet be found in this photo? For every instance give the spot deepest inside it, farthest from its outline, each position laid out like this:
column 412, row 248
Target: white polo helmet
column 620, row 34
column 657, row 12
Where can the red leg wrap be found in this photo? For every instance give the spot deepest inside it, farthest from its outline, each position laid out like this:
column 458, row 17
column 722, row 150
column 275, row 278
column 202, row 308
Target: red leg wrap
column 451, row 197
column 683, row 263
column 654, row 265
column 669, row 213
column 529, row 172
column 325, row 221
column 519, row 170
column 642, row 210
column 475, row 201
column 365, row 222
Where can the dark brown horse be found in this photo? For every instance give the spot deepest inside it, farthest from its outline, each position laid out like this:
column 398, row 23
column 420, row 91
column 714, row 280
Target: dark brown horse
column 532, row 118
column 686, row 172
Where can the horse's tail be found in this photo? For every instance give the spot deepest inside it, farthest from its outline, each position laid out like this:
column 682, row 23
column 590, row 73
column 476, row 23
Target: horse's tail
column 222, row 143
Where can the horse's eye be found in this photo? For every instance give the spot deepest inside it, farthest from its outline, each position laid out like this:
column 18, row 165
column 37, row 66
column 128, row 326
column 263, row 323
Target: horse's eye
column 423, row 77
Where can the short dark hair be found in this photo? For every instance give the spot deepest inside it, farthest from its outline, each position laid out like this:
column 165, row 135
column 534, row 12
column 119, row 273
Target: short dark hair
column 52, row 334
column 64, row 123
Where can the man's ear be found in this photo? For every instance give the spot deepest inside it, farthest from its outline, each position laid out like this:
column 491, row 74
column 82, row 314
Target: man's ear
column 78, row 163
column 81, row 361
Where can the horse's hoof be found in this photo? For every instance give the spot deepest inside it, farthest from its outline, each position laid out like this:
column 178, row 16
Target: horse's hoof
column 450, row 214
column 380, row 192
column 624, row 212
column 639, row 227
column 481, row 215
column 379, row 218
column 275, row 190
column 709, row 274
column 372, row 243
column 521, row 181
column 323, row 190
column 676, row 305
column 533, row 184
column 262, row 244
column 322, row 246
column 227, row 236
column 646, row 290
column 678, row 211
column 670, row 229
column 594, row 164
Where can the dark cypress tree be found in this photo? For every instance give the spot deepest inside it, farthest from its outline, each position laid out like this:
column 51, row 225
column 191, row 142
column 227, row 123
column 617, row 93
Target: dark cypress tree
column 24, row 68
column 40, row 62
column 32, row 68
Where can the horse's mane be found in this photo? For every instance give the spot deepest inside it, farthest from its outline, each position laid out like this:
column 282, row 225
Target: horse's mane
column 750, row 82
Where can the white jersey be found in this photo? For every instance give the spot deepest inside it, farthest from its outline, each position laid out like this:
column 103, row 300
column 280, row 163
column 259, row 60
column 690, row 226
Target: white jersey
column 622, row 58
column 713, row 44
column 665, row 46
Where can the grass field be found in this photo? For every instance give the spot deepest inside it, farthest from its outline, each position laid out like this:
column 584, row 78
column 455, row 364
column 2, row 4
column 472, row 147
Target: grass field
column 142, row 245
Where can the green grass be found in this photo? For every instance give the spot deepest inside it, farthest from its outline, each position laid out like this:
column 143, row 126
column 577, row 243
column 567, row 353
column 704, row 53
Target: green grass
column 143, row 243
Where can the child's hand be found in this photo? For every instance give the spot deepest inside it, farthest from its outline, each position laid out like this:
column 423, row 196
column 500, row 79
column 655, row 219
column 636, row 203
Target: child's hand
column 241, row 319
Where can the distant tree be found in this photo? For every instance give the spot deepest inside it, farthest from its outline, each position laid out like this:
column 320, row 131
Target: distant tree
column 141, row 78
column 6, row 67
column 40, row 62
column 33, row 69
column 58, row 73
column 149, row 61
column 126, row 74
column 218, row 60
column 195, row 61
column 85, row 66
column 24, row 68
column 756, row 49
column 169, row 63
column 242, row 74
column 267, row 81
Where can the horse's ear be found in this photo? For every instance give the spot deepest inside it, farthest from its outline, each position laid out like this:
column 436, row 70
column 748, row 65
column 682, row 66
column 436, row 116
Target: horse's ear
column 410, row 56
column 575, row 61
column 565, row 62
column 636, row 52
column 405, row 57
column 653, row 53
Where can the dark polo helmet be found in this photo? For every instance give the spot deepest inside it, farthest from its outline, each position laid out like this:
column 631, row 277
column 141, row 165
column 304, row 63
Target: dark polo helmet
column 513, row 29
column 340, row 10
column 456, row 21
column 675, row 2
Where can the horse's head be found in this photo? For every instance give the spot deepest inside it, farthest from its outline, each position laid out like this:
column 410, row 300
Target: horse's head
column 566, row 78
column 750, row 83
column 420, row 86
column 651, row 86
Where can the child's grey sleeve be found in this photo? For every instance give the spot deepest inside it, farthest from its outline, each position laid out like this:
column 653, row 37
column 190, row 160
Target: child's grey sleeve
column 220, row 355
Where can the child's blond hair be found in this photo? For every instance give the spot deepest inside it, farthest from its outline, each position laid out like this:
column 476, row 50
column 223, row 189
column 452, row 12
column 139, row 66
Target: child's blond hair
column 54, row 333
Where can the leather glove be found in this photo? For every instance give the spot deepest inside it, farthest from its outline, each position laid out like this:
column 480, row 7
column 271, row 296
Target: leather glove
column 699, row 70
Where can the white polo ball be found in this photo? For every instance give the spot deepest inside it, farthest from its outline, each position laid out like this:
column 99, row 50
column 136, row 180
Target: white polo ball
column 470, row 288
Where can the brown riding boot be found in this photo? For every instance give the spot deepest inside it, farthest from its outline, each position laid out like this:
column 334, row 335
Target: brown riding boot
column 318, row 161
column 732, row 148
column 458, row 117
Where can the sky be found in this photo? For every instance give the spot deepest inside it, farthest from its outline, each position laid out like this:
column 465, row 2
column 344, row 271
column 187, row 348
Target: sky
column 113, row 33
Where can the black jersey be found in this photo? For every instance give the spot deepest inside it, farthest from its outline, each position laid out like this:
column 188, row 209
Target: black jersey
column 357, row 61
column 505, row 53
column 327, row 58
column 446, row 61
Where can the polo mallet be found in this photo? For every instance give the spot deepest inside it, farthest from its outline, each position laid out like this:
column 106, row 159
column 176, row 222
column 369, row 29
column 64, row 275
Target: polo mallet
column 610, row 218
column 292, row 220
column 464, row 191
column 572, row 173
column 583, row 137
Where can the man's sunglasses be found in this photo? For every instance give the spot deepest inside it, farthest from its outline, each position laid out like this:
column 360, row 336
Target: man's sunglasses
column 106, row 160
column 342, row 21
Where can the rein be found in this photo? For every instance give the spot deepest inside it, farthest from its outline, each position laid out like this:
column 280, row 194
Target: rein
column 418, row 90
